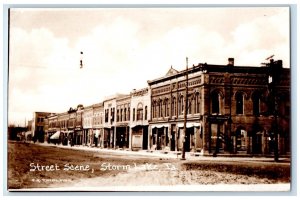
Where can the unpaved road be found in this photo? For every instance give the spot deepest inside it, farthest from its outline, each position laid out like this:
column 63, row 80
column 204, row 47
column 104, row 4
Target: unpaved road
column 113, row 170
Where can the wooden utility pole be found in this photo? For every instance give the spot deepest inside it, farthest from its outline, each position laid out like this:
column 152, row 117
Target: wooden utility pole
column 185, row 111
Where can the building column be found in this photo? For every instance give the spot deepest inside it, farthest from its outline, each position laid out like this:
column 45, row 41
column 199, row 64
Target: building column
column 169, row 136
column 165, row 137
column 149, row 137
column 157, row 139
column 130, row 138
column 115, row 136
column 264, row 144
column 250, row 148
column 206, row 138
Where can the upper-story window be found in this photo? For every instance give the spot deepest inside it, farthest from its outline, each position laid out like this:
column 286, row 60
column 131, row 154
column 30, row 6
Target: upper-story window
column 239, row 103
column 189, row 106
column 256, row 104
column 197, row 103
column 140, row 111
column 133, row 114
column 106, row 115
column 181, row 105
column 215, row 103
column 160, row 108
column 166, row 107
column 173, row 107
column 118, row 115
column 125, row 114
column 146, row 112
column 153, row 109
column 121, row 115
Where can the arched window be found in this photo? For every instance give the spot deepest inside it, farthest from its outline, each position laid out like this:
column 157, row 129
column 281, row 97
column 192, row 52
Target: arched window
column 256, row 104
column 180, row 105
column 189, row 106
column 197, row 103
column 139, row 111
column 121, row 115
column 128, row 113
column 160, row 108
column 133, row 114
column 118, row 115
column 215, row 102
column 146, row 112
column 173, row 107
column 154, row 109
column 239, row 103
column 125, row 116
column 166, row 107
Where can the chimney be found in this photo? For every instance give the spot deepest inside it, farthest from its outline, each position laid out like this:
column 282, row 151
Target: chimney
column 231, row 61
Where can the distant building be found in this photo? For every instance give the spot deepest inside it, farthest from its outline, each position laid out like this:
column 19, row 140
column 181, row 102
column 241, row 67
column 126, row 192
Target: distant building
column 140, row 109
column 122, row 121
column 98, row 121
column 38, row 125
column 87, row 125
column 110, row 122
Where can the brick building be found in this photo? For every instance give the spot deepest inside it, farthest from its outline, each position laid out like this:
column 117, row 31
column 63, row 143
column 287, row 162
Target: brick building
column 229, row 109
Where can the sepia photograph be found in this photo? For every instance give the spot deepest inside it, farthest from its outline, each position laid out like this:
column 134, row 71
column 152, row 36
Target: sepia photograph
column 163, row 99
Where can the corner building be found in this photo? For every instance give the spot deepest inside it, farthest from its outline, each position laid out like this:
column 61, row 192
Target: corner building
column 230, row 109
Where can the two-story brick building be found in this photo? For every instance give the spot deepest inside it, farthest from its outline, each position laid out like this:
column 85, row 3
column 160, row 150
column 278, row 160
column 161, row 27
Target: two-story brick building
column 228, row 109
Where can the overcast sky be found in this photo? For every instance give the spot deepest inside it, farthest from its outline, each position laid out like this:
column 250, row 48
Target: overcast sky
column 123, row 48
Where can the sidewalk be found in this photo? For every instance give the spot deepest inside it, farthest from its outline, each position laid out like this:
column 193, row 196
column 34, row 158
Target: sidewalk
column 168, row 155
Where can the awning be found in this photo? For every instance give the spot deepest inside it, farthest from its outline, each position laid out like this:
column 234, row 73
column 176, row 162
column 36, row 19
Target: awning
column 189, row 124
column 55, row 136
column 159, row 125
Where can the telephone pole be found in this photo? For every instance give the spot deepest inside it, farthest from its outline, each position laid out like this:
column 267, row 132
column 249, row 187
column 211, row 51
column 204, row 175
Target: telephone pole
column 185, row 111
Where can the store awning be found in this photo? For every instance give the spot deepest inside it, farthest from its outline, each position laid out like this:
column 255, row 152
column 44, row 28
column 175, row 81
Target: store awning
column 159, row 125
column 189, row 124
column 55, row 136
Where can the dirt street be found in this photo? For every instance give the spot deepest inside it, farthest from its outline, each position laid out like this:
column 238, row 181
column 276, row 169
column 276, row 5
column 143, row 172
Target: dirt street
column 35, row 166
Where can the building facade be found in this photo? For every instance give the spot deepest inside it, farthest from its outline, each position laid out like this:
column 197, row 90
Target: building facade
column 209, row 109
column 140, row 109
column 228, row 109
column 38, row 126
column 122, row 121
column 110, row 122
column 98, row 119
column 87, row 125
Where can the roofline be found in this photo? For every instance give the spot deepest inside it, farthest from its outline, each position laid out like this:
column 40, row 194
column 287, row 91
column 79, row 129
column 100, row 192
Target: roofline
column 211, row 68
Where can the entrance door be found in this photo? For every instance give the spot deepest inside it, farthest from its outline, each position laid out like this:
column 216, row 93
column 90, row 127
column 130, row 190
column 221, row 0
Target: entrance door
column 145, row 138
column 187, row 143
column 173, row 135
